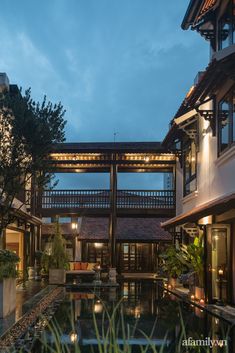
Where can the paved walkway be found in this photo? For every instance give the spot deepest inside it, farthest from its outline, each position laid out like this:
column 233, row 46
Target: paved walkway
column 27, row 294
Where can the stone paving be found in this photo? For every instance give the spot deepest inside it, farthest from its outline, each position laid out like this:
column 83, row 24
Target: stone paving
column 27, row 294
column 15, row 335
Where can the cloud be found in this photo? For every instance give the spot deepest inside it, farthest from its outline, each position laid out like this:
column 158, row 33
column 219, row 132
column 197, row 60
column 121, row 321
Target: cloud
column 116, row 65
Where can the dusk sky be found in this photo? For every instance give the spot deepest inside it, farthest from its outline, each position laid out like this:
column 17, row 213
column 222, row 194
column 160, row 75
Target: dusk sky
column 116, row 65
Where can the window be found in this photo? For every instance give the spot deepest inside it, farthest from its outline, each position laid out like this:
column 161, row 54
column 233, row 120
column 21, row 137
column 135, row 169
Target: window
column 226, row 121
column 227, row 27
column 190, row 167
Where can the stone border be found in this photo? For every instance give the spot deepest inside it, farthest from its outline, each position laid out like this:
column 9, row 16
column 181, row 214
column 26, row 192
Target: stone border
column 209, row 308
column 9, row 338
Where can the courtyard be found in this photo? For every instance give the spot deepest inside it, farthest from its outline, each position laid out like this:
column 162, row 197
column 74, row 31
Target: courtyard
column 117, row 191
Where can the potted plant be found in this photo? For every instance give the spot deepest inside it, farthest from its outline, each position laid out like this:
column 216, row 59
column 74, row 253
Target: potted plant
column 45, row 261
column 37, row 264
column 58, row 259
column 172, row 264
column 194, row 256
column 8, row 274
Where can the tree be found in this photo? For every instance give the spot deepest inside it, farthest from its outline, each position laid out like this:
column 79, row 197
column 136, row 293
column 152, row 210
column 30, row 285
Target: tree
column 193, row 255
column 28, row 131
column 59, row 257
column 56, row 257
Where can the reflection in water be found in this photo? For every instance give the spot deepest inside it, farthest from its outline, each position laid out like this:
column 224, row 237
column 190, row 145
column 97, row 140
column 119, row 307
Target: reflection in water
column 143, row 307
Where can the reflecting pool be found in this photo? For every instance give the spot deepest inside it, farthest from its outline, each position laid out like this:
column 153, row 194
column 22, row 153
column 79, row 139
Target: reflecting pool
column 137, row 314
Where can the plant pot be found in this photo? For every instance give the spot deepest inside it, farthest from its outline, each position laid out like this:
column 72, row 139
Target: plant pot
column 56, row 276
column 7, row 296
column 37, row 270
column 31, row 272
column 199, row 293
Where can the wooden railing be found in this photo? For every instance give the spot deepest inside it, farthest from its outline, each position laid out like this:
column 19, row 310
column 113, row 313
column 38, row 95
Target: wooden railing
column 101, row 199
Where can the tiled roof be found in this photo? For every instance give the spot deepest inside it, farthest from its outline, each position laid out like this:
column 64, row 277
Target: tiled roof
column 196, row 10
column 207, row 5
column 94, row 228
column 136, row 229
column 49, row 229
column 140, row 229
column 214, row 76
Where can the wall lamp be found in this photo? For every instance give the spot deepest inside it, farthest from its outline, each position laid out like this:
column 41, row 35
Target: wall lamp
column 74, row 225
column 204, row 132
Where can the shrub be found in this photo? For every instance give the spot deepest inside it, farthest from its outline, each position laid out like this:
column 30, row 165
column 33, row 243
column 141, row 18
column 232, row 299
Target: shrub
column 8, row 261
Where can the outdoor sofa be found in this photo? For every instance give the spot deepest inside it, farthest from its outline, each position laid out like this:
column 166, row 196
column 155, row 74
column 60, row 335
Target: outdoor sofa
column 81, row 270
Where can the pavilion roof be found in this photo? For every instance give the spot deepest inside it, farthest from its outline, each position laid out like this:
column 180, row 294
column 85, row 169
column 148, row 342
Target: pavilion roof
column 197, row 10
column 128, row 229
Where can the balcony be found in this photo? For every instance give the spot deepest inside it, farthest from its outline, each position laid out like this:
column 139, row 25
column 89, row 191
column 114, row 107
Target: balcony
column 64, row 202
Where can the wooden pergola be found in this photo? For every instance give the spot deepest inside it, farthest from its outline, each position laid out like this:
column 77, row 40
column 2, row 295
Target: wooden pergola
column 112, row 158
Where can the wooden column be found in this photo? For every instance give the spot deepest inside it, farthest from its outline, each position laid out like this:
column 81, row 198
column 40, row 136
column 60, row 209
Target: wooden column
column 3, row 240
column 32, row 245
column 39, row 238
column 113, row 211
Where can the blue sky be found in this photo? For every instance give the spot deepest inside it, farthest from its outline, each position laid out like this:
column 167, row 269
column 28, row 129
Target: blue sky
column 116, row 65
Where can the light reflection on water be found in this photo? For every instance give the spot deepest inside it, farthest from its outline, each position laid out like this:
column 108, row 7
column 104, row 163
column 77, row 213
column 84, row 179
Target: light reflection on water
column 145, row 307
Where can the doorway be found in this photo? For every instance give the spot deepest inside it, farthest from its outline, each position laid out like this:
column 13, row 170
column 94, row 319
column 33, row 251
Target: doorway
column 136, row 257
column 15, row 243
column 218, row 262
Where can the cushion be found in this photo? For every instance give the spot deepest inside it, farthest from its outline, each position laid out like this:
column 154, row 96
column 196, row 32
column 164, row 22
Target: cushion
column 71, row 266
column 91, row 266
column 84, row 265
column 77, row 266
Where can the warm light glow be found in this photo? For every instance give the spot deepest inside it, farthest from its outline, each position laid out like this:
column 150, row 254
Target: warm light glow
column 192, row 297
column 201, row 301
column 137, row 312
column 205, row 220
column 73, row 337
column 74, row 225
column 169, row 286
column 147, row 159
column 165, row 285
column 190, row 91
column 98, row 307
column 98, row 245
column 221, row 272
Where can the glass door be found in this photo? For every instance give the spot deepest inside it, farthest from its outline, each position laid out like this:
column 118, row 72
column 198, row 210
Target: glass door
column 136, row 257
column 218, row 262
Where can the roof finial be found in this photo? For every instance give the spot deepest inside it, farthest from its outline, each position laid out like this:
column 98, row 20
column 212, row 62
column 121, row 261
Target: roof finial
column 114, row 136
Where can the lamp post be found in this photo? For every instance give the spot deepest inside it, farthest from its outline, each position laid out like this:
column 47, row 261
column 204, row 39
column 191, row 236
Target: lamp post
column 220, row 300
column 74, row 226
